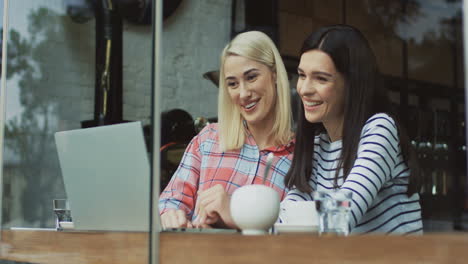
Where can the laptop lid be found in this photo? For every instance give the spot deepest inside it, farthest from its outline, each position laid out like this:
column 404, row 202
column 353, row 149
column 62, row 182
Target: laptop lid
column 106, row 175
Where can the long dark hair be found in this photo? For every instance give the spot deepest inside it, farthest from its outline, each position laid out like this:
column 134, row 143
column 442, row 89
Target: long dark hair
column 364, row 96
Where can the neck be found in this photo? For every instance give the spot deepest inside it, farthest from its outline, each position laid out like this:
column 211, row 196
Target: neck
column 262, row 134
column 334, row 129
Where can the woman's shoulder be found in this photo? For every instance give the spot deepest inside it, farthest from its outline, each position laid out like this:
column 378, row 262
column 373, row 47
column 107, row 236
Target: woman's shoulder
column 207, row 139
column 211, row 127
column 382, row 120
column 210, row 131
column 381, row 126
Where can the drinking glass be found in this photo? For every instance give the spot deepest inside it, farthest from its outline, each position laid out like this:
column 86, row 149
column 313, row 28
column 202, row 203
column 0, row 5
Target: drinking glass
column 334, row 211
column 62, row 213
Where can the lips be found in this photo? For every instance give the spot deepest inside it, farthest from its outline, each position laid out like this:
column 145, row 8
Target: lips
column 311, row 105
column 250, row 106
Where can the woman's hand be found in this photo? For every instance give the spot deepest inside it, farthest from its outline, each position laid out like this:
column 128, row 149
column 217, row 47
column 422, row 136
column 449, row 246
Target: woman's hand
column 213, row 207
column 175, row 219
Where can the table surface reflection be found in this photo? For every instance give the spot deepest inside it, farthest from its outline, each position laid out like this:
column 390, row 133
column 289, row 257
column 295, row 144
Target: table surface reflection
column 129, row 248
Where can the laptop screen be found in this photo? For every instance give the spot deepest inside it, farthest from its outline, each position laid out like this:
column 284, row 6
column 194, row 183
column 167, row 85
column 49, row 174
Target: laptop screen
column 106, row 175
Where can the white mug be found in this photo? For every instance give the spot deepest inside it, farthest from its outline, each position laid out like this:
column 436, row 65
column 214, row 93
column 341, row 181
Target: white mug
column 255, row 208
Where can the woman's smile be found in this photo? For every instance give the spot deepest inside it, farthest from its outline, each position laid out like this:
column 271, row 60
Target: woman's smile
column 311, row 105
column 250, row 106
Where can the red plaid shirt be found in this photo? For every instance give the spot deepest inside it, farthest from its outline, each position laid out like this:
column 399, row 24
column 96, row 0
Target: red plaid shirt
column 204, row 165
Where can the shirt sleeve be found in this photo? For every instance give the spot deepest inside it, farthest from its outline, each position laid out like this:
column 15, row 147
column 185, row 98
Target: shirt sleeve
column 181, row 191
column 377, row 154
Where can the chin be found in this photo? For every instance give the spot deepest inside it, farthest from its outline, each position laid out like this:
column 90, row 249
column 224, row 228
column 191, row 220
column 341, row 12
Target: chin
column 313, row 119
column 252, row 121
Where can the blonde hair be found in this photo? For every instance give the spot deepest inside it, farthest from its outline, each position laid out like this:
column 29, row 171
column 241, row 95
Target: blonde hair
column 257, row 46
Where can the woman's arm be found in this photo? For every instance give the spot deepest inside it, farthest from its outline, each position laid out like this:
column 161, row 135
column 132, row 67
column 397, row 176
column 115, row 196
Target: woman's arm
column 377, row 154
column 180, row 193
column 376, row 158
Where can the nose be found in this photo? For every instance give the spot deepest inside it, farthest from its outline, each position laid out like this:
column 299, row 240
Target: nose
column 305, row 87
column 244, row 91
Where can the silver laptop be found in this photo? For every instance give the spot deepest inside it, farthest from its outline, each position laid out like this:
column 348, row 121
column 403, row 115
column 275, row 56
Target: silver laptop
column 106, row 174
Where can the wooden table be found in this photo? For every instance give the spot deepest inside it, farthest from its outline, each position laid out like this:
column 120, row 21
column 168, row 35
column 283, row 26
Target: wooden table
column 74, row 247
column 132, row 248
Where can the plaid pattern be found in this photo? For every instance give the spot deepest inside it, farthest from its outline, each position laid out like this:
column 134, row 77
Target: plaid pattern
column 204, row 165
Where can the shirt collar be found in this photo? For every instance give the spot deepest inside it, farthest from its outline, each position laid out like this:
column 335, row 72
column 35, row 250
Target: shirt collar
column 277, row 150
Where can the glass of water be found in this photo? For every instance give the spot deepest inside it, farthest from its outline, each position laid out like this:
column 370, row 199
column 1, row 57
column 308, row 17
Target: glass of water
column 62, row 213
column 334, row 211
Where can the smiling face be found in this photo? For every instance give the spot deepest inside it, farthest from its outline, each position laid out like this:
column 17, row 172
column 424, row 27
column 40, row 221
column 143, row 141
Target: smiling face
column 321, row 88
column 250, row 85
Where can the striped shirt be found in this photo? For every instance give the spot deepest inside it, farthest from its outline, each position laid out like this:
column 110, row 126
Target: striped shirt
column 204, row 165
column 378, row 180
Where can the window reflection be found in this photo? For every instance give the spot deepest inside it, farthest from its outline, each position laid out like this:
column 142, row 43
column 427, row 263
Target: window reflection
column 51, row 86
column 49, row 79
column 51, row 83
column 419, row 50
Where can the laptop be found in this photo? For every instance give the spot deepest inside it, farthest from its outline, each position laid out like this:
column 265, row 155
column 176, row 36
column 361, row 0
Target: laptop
column 106, row 174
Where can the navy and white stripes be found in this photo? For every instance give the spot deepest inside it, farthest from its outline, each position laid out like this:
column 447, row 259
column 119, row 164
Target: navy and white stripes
column 378, row 180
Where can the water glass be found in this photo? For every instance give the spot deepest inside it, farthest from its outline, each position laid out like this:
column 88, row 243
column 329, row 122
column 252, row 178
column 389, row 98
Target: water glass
column 62, row 213
column 334, row 209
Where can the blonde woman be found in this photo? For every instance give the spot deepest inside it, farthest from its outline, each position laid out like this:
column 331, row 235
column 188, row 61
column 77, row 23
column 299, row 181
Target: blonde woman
column 254, row 114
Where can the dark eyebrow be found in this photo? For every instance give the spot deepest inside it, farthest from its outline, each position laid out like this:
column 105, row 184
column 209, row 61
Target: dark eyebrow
column 322, row 73
column 316, row 72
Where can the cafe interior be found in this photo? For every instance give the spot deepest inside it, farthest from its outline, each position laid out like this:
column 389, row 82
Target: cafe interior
column 153, row 65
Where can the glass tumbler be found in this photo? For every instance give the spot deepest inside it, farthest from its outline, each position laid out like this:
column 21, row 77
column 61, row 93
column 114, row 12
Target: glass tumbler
column 334, row 211
column 62, row 213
